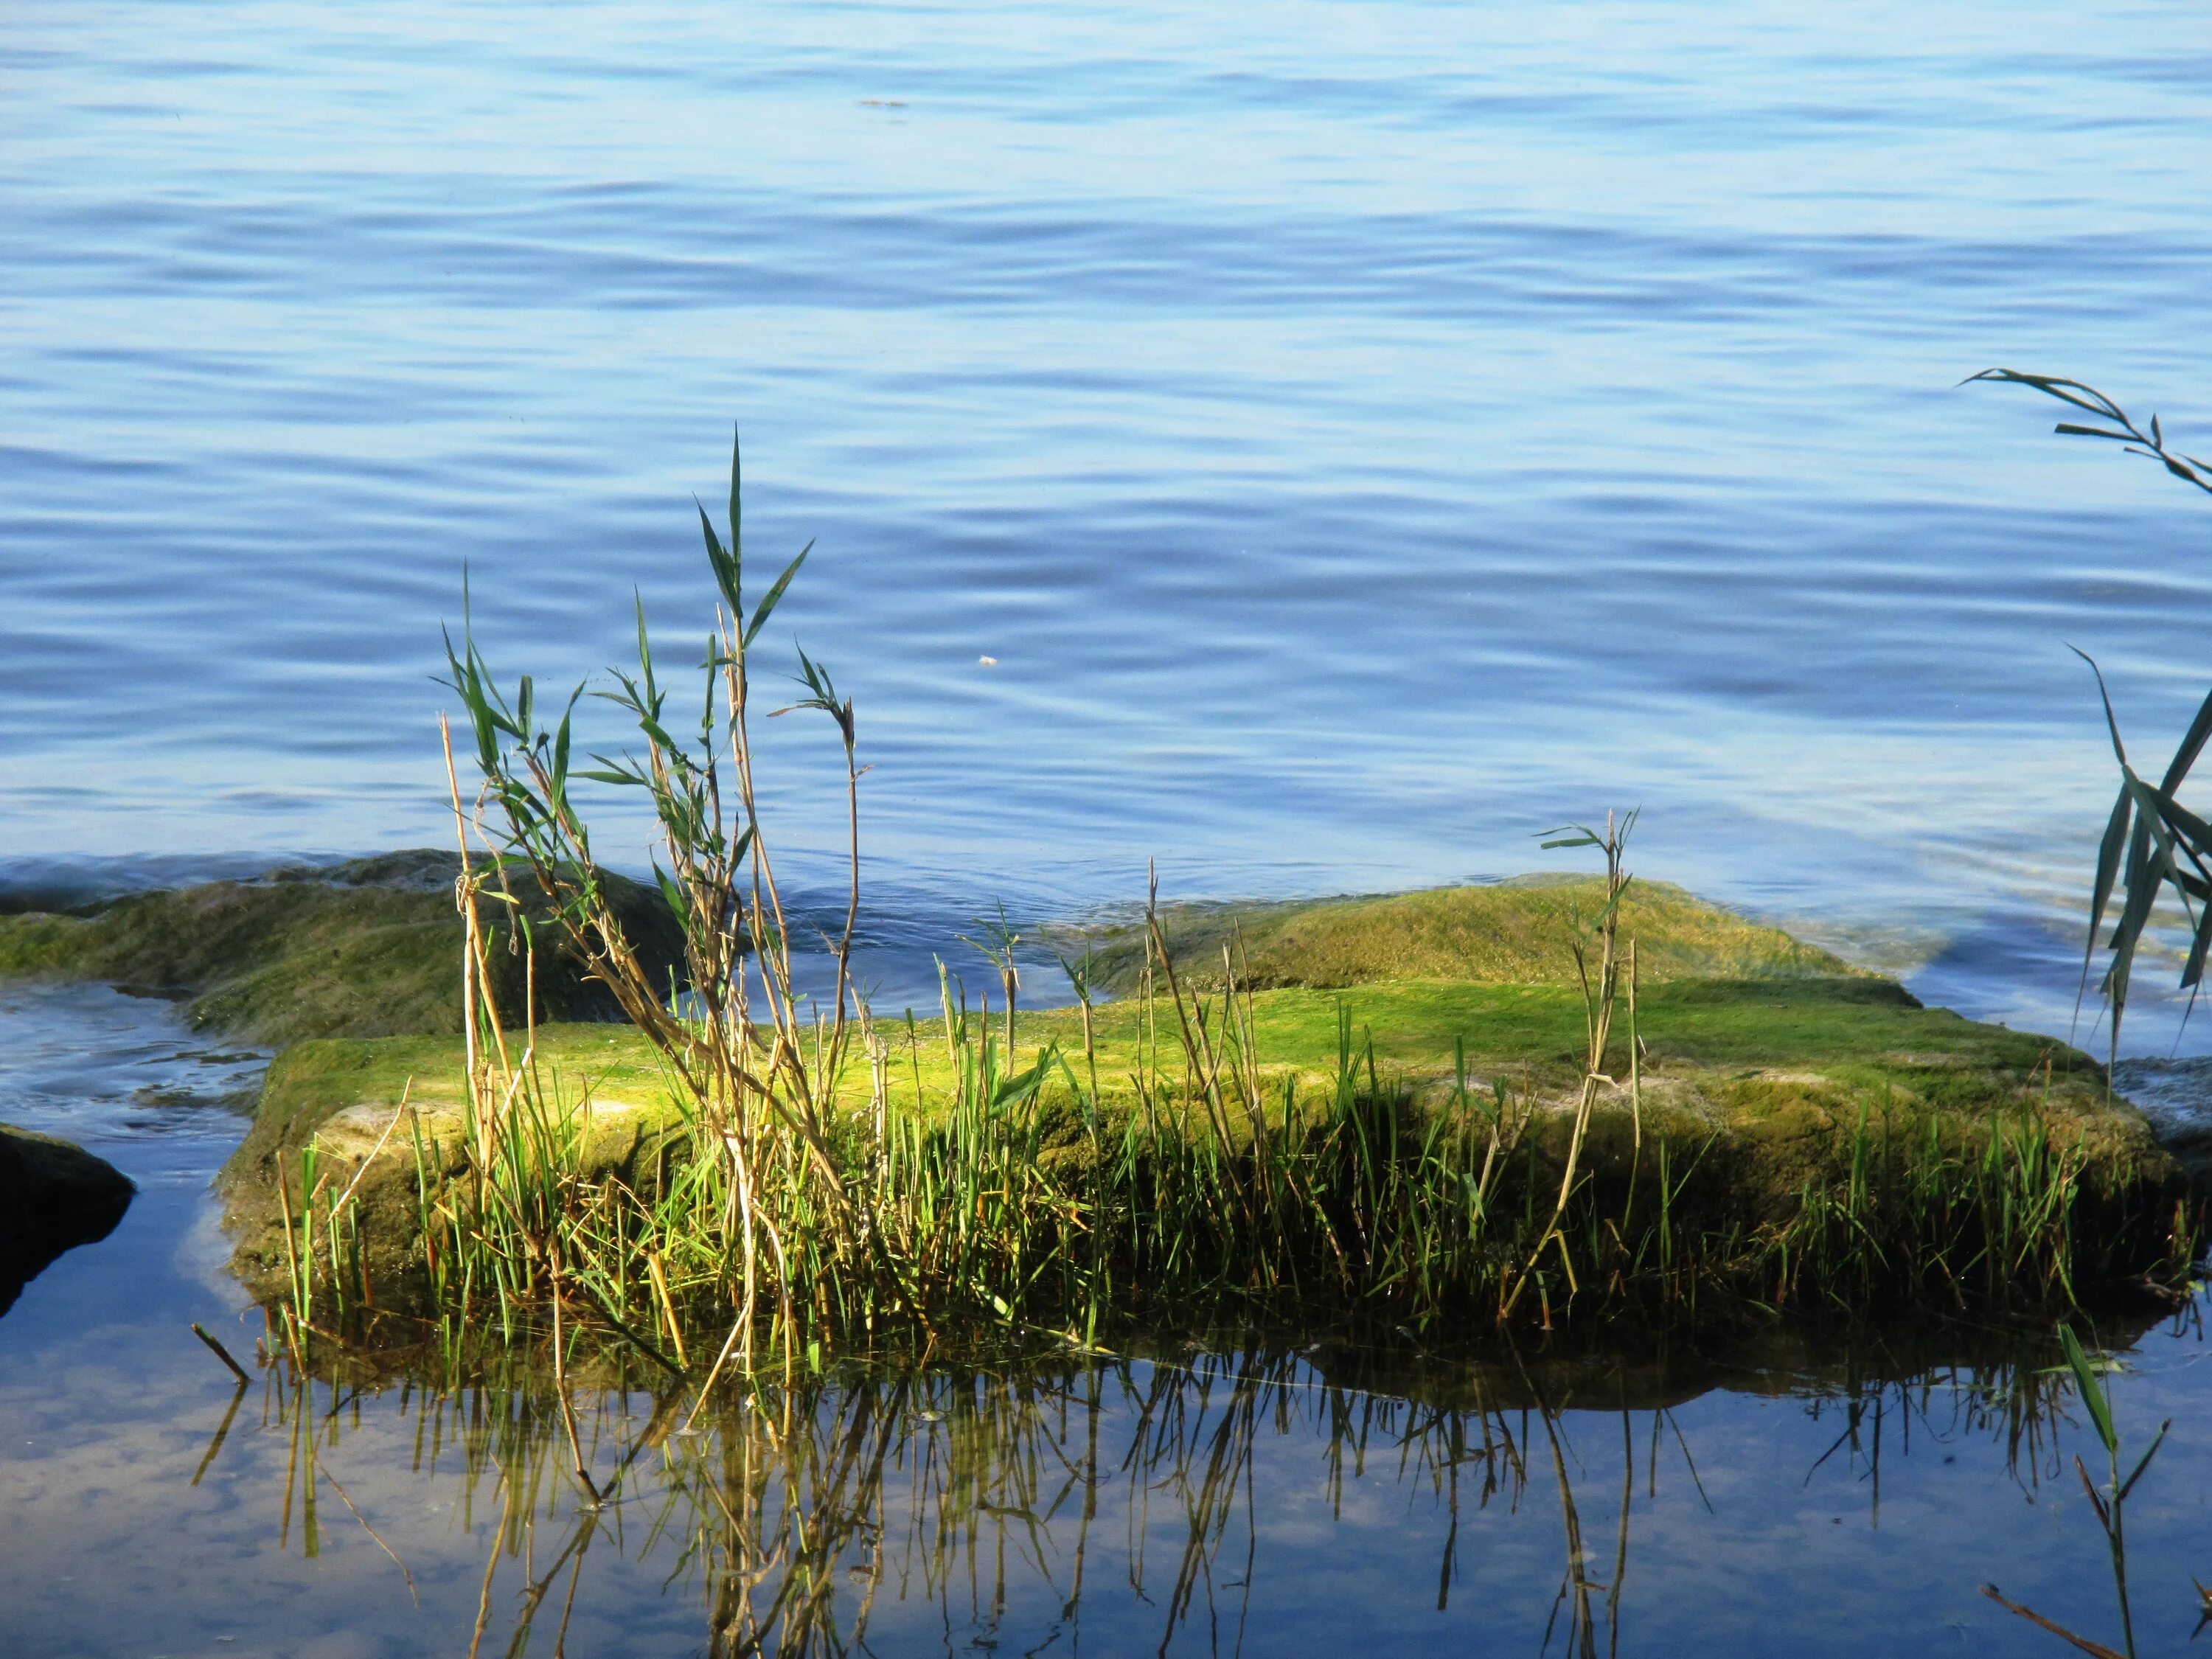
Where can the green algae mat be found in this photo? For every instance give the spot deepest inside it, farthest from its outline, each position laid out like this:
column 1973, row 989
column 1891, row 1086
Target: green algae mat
column 1769, row 1065
column 1772, row 1062
column 368, row 948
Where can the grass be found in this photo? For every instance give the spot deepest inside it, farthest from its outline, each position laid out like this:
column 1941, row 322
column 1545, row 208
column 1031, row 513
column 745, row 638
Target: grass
column 2153, row 845
column 746, row 1173
column 2109, row 1503
column 1744, row 1047
column 1817, row 1144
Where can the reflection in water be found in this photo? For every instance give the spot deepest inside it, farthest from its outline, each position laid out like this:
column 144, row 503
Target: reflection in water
column 1149, row 1501
column 1841, row 1499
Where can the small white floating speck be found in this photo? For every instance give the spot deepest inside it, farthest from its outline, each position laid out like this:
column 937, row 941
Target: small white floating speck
column 988, row 662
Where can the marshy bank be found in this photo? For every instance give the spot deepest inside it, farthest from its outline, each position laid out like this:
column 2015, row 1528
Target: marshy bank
column 1428, row 1113
column 1355, row 1116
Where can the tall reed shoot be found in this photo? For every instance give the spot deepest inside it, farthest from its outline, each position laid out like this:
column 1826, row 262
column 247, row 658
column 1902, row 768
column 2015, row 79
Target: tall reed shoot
column 2152, row 842
column 756, row 1073
column 2110, row 1501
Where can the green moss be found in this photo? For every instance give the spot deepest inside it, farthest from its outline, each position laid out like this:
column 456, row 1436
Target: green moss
column 39, row 946
column 339, row 1095
column 1769, row 1061
column 371, row 949
column 1735, row 1038
column 1514, row 932
column 1780, row 1087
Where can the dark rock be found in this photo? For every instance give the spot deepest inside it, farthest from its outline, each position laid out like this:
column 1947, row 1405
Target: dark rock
column 54, row 1196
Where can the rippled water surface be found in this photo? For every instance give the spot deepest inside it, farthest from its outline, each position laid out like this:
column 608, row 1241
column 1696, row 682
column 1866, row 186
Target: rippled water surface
column 1360, row 436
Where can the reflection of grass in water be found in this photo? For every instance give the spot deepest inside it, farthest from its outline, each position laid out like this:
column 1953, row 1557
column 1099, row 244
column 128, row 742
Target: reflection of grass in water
column 2110, row 1502
column 796, row 1515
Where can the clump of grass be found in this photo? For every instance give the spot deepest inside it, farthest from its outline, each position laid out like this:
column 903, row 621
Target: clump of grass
column 826, row 1184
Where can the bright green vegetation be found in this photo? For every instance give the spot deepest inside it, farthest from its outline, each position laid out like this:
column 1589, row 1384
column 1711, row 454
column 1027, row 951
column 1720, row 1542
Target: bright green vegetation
column 1530, row 1104
column 1738, row 1036
column 1514, row 932
column 371, row 948
column 1804, row 1142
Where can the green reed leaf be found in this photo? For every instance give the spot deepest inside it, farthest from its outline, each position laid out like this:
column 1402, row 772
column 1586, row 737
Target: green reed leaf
column 728, row 576
column 774, row 596
column 2143, row 1462
column 2193, row 745
column 737, row 505
column 2091, row 1388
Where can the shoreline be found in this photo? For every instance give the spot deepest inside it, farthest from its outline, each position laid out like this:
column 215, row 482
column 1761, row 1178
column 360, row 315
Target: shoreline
column 1775, row 1088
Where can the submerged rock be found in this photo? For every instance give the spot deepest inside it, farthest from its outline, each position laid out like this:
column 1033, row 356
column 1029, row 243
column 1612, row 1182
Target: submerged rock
column 2176, row 1094
column 369, row 948
column 54, row 1196
column 1759, row 1100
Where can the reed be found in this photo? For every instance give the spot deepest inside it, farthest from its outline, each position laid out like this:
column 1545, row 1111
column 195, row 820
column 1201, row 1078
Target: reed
column 2153, row 845
column 835, row 1180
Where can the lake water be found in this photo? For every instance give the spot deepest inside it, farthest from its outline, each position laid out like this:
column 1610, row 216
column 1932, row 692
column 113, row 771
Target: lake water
column 1361, row 437
column 1316, row 447
column 1846, row 1499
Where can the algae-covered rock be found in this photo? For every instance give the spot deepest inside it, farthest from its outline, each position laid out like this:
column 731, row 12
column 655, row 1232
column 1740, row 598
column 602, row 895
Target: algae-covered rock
column 1771, row 1083
column 1755, row 1099
column 54, row 1196
column 378, row 1125
column 370, row 948
column 1516, row 931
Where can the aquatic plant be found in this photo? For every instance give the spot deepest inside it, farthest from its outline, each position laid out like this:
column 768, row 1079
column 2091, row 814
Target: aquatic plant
column 2110, row 1502
column 830, row 1180
column 2151, row 843
column 757, row 1075
column 1600, row 988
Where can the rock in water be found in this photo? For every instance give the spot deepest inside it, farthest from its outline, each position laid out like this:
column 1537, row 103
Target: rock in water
column 371, row 948
column 54, row 1196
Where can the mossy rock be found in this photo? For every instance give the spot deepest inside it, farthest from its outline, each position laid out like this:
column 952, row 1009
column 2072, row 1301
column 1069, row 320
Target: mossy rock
column 1756, row 1097
column 1512, row 932
column 370, row 948
column 1768, row 1073
column 379, row 1124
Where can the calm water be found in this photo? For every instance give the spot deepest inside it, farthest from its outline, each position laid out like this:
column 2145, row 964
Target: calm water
column 1241, row 1501
column 1362, row 436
